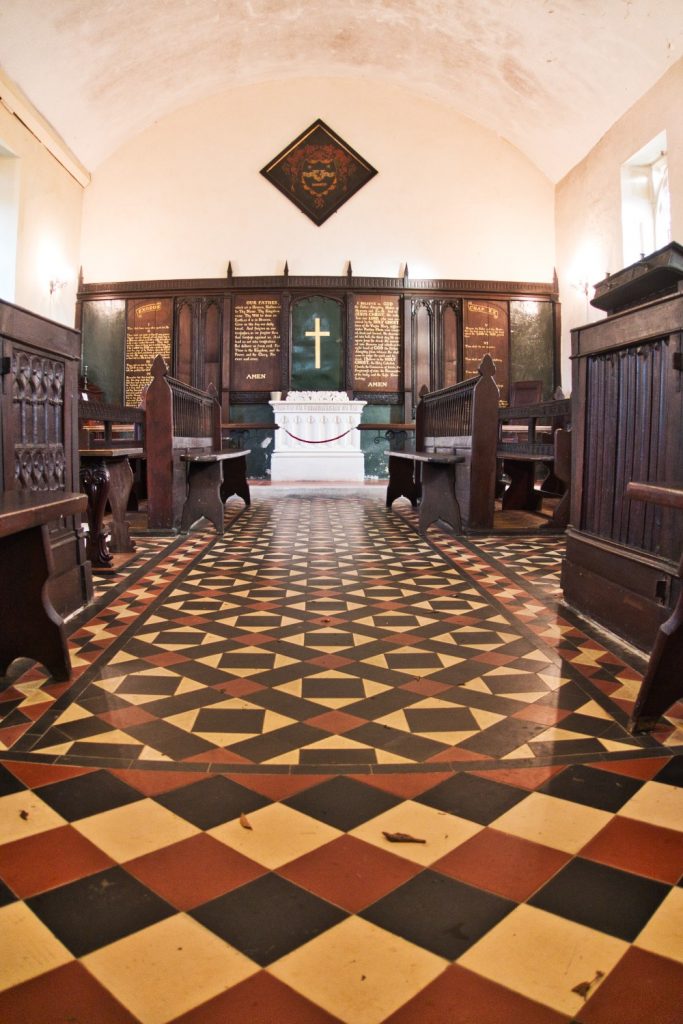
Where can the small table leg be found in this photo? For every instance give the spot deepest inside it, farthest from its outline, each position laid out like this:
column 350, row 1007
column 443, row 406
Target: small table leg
column 95, row 482
column 438, row 497
column 31, row 628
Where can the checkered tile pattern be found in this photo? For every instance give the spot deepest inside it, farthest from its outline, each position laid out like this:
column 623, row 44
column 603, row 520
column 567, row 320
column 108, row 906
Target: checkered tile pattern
column 544, row 894
column 321, row 771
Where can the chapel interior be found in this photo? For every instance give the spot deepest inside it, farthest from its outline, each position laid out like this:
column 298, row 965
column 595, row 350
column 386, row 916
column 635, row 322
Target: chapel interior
column 341, row 512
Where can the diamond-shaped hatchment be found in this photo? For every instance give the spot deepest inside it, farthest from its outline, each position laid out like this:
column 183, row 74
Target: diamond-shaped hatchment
column 318, row 171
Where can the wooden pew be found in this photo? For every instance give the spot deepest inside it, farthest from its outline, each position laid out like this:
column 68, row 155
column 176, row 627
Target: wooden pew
column 454, row 427
column 188, row 475
column 31, row 626
column 521, row 451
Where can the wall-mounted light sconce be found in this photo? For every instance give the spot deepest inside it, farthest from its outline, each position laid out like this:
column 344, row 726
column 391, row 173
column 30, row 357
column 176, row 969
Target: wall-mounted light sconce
column 56, row 285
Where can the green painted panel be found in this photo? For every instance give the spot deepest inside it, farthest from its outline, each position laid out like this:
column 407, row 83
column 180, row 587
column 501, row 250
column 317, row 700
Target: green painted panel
column 104, row 345
column 531, row 343
column 317, row 348
column 260, row 442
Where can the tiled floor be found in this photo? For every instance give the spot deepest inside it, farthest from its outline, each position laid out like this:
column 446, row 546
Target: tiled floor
column 321, row 770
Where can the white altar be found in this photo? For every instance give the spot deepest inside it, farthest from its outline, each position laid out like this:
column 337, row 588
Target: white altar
column 317, row 437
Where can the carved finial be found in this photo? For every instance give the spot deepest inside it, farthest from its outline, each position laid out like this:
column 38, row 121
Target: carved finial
column 349, row 270
column 229, row 268
column 286, row 269
column 406, row 275
column 211, row 390
column 556, row 282
column 80, row 278
column 487, row 367
column 159, row 368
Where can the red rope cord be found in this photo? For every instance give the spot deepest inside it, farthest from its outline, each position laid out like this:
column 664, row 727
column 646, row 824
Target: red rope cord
column 326, row 440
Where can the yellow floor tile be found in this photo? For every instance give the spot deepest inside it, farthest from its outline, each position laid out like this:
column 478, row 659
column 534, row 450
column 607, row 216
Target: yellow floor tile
column 442, row 832
column 657, row 804
column 560, row 824
column 369, row 972
column 135, row 829
column 663, row 934
column 169, row 968
column 544, row 957
column 25, row 814
column 278, row 834
column 27, row 947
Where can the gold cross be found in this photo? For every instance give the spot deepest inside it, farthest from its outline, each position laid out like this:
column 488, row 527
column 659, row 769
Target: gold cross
column 317, row 334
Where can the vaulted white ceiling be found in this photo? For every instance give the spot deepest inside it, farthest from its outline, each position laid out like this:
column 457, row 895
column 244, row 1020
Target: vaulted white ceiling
column 550, row 76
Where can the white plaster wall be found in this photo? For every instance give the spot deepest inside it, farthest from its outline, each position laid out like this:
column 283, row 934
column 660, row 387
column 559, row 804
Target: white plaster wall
column 451, row 198
column 588, row 200
column 48, row 225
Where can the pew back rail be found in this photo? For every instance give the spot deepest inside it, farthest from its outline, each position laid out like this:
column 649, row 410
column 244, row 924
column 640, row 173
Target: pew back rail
column 180, row 420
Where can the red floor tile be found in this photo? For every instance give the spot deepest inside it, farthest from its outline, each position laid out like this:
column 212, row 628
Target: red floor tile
column 350, row 873
column 67, row 994
column 261, row 999
column 459, row 996
column 405, row 786
column 525, row 778
column 641, row 768
column 335, row 722
column 277, row 787
column 151, row 783
column 640, row 848
column 502, row 863
column 642, row 989
column 49, row 859
column 194, row 871
column 35, row 775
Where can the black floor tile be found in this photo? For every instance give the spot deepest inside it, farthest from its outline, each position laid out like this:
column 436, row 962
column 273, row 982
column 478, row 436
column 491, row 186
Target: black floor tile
column 438, row 913
column 503, row 737
column 9, row 783
column 603, row 898
column 212, row 801
column 163, row 685
column 342, row 802
column 592, row 787
column 6, row 895
column 672, row 773
column 583, row 747
column 169, row 740
column 268, row 918
column 473, row 798
column 229, row 720
column 97, row 910
column 280, row 741
column 441, row 720
column 395, row 741
column 88, row 794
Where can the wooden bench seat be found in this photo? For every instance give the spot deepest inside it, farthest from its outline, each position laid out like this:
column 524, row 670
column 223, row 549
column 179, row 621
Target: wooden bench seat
column 212, row 478
column 30, row 626
column 437, row 487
